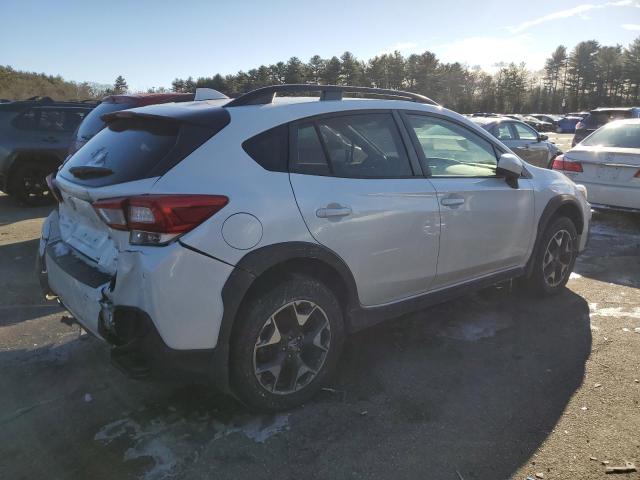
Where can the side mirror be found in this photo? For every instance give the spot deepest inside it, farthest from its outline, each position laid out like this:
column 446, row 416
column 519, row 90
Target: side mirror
column 511, row 168
column 542, row 137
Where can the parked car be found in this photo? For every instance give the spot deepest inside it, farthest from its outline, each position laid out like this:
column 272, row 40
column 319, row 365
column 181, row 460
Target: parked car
column 34, row 139
column 531, row 121
column 539, row 125
column 551, row 119
column 568, row 124
column 93, row 123
column 533, row 147
column 607, row 162
column 599, row 117
column 248, row 237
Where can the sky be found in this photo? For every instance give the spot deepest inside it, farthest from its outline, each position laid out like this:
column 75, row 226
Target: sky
column 152, row 42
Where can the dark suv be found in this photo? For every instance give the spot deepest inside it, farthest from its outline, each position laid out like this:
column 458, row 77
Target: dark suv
column 599, row 117
column 35, row 135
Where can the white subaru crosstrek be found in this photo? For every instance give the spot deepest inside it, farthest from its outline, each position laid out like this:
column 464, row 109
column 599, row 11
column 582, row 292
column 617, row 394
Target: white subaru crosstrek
column 243, row 239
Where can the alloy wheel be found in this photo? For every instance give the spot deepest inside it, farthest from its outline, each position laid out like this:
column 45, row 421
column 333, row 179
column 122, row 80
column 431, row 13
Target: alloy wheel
column 291, row 347
column 557, row 258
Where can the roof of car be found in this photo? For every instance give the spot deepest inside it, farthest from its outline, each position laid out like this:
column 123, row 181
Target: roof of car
column 484, row 121
column 613, row 109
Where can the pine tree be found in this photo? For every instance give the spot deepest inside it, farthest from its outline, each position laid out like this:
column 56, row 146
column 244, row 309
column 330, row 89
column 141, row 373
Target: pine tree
column 120, row 85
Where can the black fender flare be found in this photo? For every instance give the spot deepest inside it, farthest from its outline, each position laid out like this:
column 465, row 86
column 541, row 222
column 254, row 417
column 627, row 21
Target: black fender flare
column 248, row 270
column 556, row 203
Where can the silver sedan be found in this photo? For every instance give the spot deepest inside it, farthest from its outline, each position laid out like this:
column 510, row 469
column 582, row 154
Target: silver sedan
column 530, row 145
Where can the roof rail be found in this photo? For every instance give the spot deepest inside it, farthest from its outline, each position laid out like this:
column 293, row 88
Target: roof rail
column 266, row 95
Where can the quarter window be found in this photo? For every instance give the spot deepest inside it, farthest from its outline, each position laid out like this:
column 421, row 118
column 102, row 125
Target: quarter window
column 451, row 150
column 270, row 149
column 525, row 133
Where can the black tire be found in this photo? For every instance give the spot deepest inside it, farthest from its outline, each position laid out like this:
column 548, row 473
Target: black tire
column 27, row 182
column 253, row 348
column 550, row 278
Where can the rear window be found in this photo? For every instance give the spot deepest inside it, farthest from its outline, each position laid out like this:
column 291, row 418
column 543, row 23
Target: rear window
column 620, row 135
column 601, row 118
column 130, row 148
column 92, row 124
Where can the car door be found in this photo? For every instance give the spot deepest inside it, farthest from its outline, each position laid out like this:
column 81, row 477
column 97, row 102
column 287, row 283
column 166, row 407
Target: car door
column 353, row 179
column 528, row 146
column 487, row 226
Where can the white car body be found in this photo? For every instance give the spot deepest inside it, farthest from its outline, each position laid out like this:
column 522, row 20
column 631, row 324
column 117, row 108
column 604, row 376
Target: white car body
column 610, row 173
column 396, row 241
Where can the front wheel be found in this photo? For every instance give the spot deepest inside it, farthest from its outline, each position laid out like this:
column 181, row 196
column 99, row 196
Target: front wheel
column 555, row 257
column 286, row 344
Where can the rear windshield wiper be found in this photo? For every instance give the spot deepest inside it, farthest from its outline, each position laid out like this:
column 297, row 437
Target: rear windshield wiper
column 90, row 172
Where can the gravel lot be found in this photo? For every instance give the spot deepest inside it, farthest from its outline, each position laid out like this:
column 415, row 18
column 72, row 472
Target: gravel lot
column 494, row 385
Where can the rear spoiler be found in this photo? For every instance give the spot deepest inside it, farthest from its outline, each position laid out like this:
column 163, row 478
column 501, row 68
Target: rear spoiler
column 196, row 113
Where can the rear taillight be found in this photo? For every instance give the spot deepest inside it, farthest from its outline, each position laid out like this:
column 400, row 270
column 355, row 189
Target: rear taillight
column 559, row 163
column 158, row 219
column 637, row 175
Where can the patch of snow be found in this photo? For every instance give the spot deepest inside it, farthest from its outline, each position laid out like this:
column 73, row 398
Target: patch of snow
column 574, row 276
column 613, row 312
column 475, row 328
column 166, row 439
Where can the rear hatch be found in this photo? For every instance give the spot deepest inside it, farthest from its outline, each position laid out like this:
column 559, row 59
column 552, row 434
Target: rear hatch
column 611, row 166
column 124, row 161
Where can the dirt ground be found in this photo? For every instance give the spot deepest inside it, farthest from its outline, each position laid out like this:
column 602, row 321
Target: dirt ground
column 494, row 385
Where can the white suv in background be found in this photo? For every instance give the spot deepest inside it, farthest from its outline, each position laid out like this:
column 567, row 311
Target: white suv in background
column 243, row 239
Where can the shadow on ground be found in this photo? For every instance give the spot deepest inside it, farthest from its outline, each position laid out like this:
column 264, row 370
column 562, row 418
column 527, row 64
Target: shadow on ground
column 613, row 252
column 12, row 211
column 474, row 385
column 21, row 297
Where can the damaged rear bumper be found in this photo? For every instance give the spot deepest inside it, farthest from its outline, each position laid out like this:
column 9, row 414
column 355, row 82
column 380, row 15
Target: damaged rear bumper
column 162, row 308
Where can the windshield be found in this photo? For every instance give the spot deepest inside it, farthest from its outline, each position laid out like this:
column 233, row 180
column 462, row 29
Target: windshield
column 620, row 135
column 92, row 124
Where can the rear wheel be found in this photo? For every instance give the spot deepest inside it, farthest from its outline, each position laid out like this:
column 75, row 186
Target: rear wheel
column 286, row 344
column 27, row 182
column 555, row 258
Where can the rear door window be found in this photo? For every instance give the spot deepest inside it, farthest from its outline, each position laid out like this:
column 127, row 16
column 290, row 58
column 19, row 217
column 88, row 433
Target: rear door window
column 502, row 131
column 60, row 120
column 130, row 148
column 310, row 156
column 364, row 146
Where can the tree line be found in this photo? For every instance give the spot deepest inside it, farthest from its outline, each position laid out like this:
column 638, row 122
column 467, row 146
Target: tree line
column 20, row 85
column 588, row 76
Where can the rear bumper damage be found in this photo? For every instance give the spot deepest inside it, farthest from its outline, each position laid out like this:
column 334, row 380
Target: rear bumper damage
column 161, row 311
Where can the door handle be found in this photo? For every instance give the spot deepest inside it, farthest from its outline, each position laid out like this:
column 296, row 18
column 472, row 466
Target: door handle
column 333, row 211
column 452, row 201
column 50, row 139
